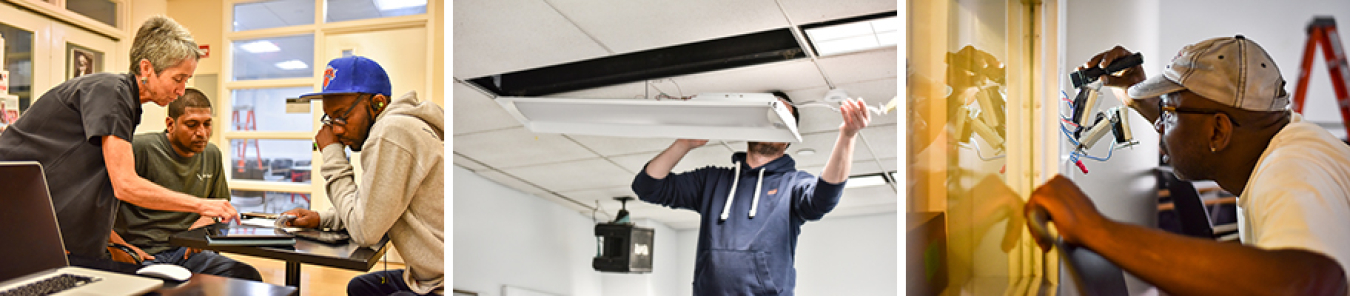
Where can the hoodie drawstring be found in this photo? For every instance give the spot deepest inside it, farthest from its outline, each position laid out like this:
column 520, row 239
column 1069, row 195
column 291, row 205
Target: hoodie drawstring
column 754, row 206
column 735, row 180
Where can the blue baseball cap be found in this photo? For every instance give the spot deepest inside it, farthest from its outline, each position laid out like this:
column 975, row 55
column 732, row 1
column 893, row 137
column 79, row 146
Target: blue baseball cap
column 353, row 74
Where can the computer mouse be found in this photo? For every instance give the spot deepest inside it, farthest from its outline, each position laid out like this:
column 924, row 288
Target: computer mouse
column 166, row 271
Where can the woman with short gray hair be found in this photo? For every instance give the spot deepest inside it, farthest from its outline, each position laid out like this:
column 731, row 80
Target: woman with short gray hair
column 80, row 131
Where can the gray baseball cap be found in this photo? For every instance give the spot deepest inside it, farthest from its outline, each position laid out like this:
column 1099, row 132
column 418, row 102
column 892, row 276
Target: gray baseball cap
column 1234, row 71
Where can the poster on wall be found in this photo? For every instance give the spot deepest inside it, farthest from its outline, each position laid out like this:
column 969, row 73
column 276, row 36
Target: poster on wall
column 82, row 61
column 9, row 110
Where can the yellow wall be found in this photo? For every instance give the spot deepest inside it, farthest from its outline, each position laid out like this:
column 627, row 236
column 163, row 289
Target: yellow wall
column 152, row 116
column 438, row 59
column 206, row 28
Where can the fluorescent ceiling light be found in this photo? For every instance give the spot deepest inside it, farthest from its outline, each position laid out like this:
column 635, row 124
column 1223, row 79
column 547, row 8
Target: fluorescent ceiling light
column 260, row 46
column 292, row 65
column 867, row 181
column 854, row 36
column 398, row 4
column 743, row 117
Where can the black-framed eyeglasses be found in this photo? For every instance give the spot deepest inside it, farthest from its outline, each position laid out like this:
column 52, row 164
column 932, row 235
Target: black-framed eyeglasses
column 330, row 121
column 1164, row 110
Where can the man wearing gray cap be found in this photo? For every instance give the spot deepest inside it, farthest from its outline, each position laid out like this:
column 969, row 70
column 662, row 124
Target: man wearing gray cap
column 1223, row 115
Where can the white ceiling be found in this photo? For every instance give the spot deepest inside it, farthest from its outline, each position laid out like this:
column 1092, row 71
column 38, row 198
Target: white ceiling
column 500, row 36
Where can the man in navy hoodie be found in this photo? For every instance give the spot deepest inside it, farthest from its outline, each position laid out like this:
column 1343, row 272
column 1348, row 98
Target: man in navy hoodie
column 752, row 212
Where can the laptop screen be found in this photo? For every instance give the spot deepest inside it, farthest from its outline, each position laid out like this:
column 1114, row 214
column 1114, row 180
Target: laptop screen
column 30, row 240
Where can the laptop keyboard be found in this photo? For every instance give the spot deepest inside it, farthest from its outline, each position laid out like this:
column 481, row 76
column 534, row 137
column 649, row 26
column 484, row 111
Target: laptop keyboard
column 49, row 286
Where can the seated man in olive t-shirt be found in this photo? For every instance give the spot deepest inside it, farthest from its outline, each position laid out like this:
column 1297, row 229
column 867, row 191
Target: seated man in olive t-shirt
column 180, row 159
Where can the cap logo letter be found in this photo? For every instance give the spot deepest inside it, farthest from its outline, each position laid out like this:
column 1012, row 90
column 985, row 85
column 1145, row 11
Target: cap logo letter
column 328, row 75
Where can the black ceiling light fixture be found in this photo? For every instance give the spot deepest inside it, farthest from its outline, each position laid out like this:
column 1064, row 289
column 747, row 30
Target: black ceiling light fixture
column 703, row 56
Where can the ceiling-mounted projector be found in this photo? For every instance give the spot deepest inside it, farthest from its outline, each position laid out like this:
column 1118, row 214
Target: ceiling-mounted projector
column 622, row 246
column 716, row 116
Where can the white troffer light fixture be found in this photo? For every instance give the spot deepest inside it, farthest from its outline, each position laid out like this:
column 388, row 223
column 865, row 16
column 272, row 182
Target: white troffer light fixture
column 716, row 116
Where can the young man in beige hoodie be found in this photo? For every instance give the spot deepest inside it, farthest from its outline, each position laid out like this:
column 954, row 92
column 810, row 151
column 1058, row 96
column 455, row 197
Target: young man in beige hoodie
column 401, row 193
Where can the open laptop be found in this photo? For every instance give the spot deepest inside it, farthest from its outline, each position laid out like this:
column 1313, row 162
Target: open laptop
column 32, row 255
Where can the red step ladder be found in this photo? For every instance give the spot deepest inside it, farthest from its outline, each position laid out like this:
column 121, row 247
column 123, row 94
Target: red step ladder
column 1322, row 30
column 247, row 125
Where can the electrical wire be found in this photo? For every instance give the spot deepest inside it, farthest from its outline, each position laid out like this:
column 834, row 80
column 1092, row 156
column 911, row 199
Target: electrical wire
column 1068, row 135
column 1109, row 152
column 873, row 109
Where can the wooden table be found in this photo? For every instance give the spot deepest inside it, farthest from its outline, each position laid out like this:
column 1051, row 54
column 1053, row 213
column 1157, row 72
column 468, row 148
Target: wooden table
column 344, row 255
column 198, row 284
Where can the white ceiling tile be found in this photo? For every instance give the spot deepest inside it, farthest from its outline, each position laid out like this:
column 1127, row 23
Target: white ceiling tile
column 476, row 112
column 629, row 26
column 881, row 138
column 574, row 175
column 812, row 11
column 822, row 143
column 614, row 146
column 603, row 195
column 494, row 37
column 510, row 181
column 468, row 164
column 516, row 147
column 795, row 74
column 712, row 154
column 860, row 66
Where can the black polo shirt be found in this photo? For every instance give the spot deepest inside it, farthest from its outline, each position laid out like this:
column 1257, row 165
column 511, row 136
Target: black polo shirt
column 63, row 130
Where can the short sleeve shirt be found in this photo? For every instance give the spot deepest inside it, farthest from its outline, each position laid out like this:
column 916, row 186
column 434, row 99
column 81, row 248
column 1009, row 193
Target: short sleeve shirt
column 63, row 130
column 202, row 175
column 1299, row 194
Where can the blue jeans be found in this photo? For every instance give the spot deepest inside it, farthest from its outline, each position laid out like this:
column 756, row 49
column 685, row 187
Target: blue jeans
column 207, row 262
column 370, row 284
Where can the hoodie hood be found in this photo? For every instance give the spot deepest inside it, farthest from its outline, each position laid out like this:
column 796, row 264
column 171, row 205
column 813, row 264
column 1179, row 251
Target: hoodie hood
column 783, row 164
column 409, row 105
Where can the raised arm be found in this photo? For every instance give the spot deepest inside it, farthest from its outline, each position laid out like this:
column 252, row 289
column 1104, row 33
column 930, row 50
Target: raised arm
column 660, row 166
column 655, row 184
column 856, row 118
column 131, row 188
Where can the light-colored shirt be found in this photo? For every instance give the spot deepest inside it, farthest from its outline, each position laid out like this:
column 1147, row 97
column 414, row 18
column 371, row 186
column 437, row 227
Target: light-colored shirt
column 1298, row 196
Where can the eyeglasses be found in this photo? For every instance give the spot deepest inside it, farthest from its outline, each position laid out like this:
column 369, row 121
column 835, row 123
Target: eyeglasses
column 330, row 121
column 1164, row 110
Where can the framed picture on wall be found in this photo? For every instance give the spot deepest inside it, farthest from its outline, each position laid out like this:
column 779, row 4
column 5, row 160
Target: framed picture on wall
column 82, row 61
column 9, row 110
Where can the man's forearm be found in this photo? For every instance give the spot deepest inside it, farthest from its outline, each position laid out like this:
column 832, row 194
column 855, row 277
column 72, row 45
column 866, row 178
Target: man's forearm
column 661, row 165
column 1194, row 266
column 841, row 160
